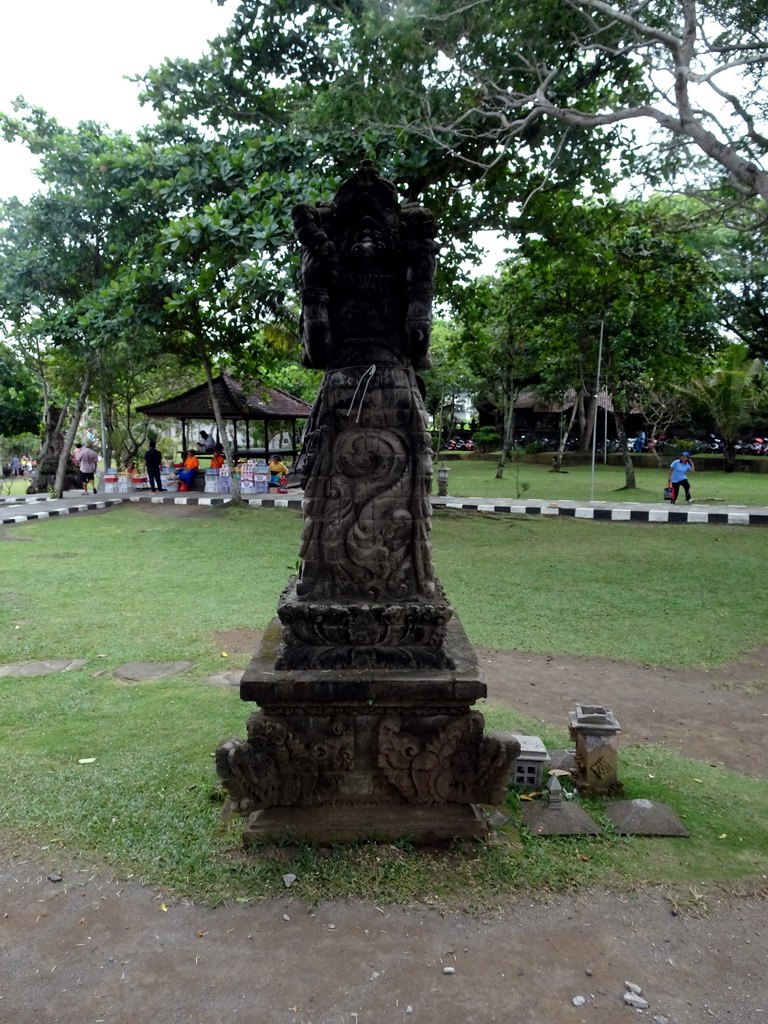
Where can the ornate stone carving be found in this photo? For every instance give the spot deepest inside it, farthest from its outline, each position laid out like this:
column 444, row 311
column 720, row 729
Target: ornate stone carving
column 279, row 766
column 366, row 594
column 451, row 763
column 333, row 634
column 366, row 685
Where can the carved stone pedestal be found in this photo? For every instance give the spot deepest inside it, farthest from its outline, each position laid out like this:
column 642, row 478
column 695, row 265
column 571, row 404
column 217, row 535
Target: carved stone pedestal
column 366, row 683
column 364, row 753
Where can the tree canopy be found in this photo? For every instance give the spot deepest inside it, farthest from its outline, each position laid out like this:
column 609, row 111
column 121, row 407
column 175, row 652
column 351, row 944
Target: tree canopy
column 532, row 95
column 20, row 402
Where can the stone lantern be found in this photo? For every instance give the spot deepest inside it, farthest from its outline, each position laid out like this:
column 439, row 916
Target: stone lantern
column 442, row 481
column 595, row 730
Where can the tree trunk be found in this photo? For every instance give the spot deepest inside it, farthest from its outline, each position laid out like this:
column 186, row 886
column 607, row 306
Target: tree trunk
column 629, row 466
column 508, row 438
column 237, row 498
column 69, row 437
column 589, row 425
column 50, row 450
column 106, row 436
column 564, row 435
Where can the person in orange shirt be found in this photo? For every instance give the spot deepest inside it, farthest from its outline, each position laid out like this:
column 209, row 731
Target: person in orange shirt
column 217, row 459
column 187, row 472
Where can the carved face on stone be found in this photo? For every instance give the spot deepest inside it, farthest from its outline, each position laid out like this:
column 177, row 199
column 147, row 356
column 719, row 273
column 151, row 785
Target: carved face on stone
column 368, row 240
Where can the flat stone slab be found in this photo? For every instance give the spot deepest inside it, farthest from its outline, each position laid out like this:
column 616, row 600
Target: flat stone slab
column 229, row 677
column 644, row 818
column 565, row 819
column 422, row 825
column 150, row 671
column 43, row 668
column 457, row 687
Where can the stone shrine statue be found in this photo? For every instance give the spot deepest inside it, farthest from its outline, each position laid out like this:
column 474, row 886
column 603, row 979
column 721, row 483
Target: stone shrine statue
column 365, row 680
column 366, row 595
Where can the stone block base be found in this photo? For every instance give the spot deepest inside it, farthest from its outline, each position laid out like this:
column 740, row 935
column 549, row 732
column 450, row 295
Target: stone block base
column 420, row 825
column 365, row 754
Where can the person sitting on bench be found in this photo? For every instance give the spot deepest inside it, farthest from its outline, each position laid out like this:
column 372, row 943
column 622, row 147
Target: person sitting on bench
column 187, row 472
column 277, row 469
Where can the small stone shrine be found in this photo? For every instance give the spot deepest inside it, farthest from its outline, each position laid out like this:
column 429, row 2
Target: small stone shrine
column 365, row 680
column 595, row 731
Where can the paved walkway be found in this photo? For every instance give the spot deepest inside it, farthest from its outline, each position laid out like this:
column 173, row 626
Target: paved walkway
column 23, row 508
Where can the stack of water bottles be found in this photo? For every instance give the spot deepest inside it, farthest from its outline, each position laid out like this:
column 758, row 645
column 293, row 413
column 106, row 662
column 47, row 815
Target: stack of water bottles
column 246, row 477
column 261, row 477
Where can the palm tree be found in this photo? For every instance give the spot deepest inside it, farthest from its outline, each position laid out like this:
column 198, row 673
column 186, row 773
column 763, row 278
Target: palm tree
column 730, row 396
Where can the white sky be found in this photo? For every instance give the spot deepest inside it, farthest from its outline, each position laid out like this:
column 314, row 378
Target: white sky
column 69, row 57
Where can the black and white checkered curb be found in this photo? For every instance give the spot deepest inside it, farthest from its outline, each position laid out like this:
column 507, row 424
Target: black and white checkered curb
column 613, row 513
column 744, row 516
column 30, row 514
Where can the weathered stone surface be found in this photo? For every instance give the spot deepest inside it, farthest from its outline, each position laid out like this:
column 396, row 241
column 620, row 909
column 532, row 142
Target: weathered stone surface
column 273, row 688
column 335, row 824
column 150, row 671
column 565, row 819
column 43, row 668
column 366, row 594
column 229, row 677
column 596, row 732
column 637, row 1002
column 371, row 634
column 391, row 737
column 366, row 681
column 644, row 818
column 562, row 760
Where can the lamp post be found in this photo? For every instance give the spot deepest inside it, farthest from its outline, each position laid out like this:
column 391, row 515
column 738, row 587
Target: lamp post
column 597, row 396
column 442, row 481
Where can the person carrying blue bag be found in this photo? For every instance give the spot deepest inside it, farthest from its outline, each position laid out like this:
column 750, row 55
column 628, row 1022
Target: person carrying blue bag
column 678, row 477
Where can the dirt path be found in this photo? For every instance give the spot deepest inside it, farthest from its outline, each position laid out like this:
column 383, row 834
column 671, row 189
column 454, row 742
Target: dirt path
column 718, row 715
column 91, row 949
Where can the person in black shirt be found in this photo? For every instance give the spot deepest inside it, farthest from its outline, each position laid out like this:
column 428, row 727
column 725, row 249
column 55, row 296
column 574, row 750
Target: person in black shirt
column 153, row 460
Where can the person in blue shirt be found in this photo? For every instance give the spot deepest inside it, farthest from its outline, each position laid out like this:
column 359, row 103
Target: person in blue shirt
column 678, row 477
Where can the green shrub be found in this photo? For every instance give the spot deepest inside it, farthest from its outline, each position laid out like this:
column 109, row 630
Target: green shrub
column 678, row 445
column 486, row 439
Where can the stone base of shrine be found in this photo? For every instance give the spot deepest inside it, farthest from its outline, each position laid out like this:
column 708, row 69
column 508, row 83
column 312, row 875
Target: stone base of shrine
column 365, row 753
column 422, row 826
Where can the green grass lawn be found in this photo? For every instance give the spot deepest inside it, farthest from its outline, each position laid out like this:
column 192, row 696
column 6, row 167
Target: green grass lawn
column 477, row 479
column 13, row 486
column 133, row 584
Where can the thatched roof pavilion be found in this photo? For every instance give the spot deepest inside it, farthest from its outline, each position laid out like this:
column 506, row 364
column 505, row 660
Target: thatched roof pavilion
column 238, row 402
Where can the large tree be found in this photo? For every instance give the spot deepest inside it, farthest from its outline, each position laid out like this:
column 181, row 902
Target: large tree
column 527, row 94
column 61, row 251
column 501, row 344
column 614, row 271
column 21, row 404
column 138, row 247
column 352, row 81
column 730, row 395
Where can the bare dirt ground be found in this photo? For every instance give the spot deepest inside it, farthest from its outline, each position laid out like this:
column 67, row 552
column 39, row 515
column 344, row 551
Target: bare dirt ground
column 92, row 948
